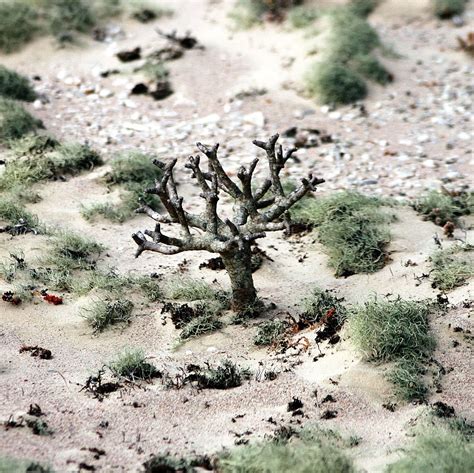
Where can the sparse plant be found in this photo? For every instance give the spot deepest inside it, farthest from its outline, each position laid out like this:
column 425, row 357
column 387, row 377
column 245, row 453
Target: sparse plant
column 302, row 16
column 452, row 267
column 103, row 313
column 18, row 24
column 269, row 332
column 371, row 68
column 445, row 9
column 226, row 375
column 15, row 121
column 232, row 239
column 352, row 227
column 319, row 303
column 9, row 465
column 406, row 377
column 189, row 289
column 68, row 15
column 132, row 364
column 206, row 323
column 15, row 86
column 18, row 219
column 363, row 8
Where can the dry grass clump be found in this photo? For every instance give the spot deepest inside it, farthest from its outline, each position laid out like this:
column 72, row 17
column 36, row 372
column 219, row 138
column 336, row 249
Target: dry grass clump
column 452, row 267
column 15, row 86
column 132, row 365
column 352, row 227
column 395, row 331
column 310, row 450
column 104, row 313
column 15, row 121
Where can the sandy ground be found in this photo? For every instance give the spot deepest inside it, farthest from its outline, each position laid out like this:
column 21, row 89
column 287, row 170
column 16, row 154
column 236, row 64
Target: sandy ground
column 417, row 134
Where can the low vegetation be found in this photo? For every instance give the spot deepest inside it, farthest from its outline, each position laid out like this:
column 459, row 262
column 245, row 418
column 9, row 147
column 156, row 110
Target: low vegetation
column 18, row 24
column 206, row 322
column 443, row 207
column 18, row 219
column 319, row 303
column 101, row 314
column 445, row 9
column 225, row 375
column 303, row 16
column 352, row 227
column 132, row 173
column 132, row 365
column 452, row 267
column 15, row 121
column 269, row 332
column 298, row 452
column 179, row 288
column 10, row 465
column 15, row 86
column 395, row 331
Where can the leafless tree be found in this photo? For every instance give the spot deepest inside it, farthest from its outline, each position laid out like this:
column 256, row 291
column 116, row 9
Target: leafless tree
column 255, row 212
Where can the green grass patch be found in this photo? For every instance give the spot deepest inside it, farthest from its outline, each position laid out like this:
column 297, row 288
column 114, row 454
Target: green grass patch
column 445, row 9
column 370, row 67
column 15, row 121
column 437, row 450
column 307, row 451
column 204, row 323
column 352, row 227
column 14, row 214
column 395, row 331
column 302, row 16
column 443, row 207
column 270, row 332
column 101, row 314
column 132, row 365
column 18, row 24
column 15, row 86
column 452, row 267
column 187, row 289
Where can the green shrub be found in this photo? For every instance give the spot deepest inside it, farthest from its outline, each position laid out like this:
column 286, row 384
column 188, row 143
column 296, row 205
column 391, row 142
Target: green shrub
column 269, row 332
column 334, row 83
column 101, row 314
column 440, row 207
column 352, row 228
column 371, row 68
column 68, row 15
column 302, row 16
column 445, row 9
column 386, row 330
column 437, row 450
column 15, row 86
column 452, row 267
column 363, row 8
column 406, row 377
column 131, row 364
column 15, row 121
column 18, row 24
column 319, row 303
column 226, row 375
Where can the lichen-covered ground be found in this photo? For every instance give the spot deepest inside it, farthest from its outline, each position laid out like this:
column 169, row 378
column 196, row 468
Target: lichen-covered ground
column 411, row 136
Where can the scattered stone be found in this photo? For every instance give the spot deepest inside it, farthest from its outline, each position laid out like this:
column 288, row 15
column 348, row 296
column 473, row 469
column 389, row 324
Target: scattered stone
column 130, row 55
column 139, row 89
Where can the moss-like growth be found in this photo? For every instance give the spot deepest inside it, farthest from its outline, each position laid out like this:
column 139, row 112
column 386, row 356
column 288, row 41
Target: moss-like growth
column 445, row 9
column 396, row 331
column 18, row 24
column 437, row 450
column 335, row 83
column 371, row 68
column 131, row 364
column 352, row 227
column 442, row 207
column 15, row 86
column 270, row 332
column 15, row 121
column 101, row 314
column 452, row 267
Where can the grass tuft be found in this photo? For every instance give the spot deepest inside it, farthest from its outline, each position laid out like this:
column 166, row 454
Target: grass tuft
column 15, row 215
column 319, row 303
column 206, row 323
column 188, row 289
column 445, row 9
column 442, row 207
column 226, row 375
column 302, row 16
column 363, row 8
column 352, row 228
column 269, row 332
column 18, row 24
column 452, row 267
column 64, row 16
column 101, row 314
column 15, row 86
column 131, row 364
column 15, row 121
column 371, row 68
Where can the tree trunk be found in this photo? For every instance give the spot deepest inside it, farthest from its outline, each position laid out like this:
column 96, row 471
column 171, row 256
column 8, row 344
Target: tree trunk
column 239, row 268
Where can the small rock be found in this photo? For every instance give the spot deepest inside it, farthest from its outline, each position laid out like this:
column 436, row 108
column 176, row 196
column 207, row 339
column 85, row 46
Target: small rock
column 37, row 104
column 105, row 93
column 255, row 118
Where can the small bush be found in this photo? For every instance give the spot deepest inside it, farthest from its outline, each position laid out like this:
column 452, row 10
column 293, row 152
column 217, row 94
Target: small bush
column 18, row 24
column 68, row 15
column 334, row 83
column 436, row 450
column 302, row 16
column 15, row 121
column 452, row 267
column 406, row 377
column 441, row 207
column 371, row 68
column 352, row 228
column 390, row 330
column 132, row 167
column 206, row 323
column 189, row 289
column 15, row 86
column 15, row 215
column 319, row 303
column 445, row 9
column 101, row 314
column 131, row 364
column 269, row 332
column 226, row 375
